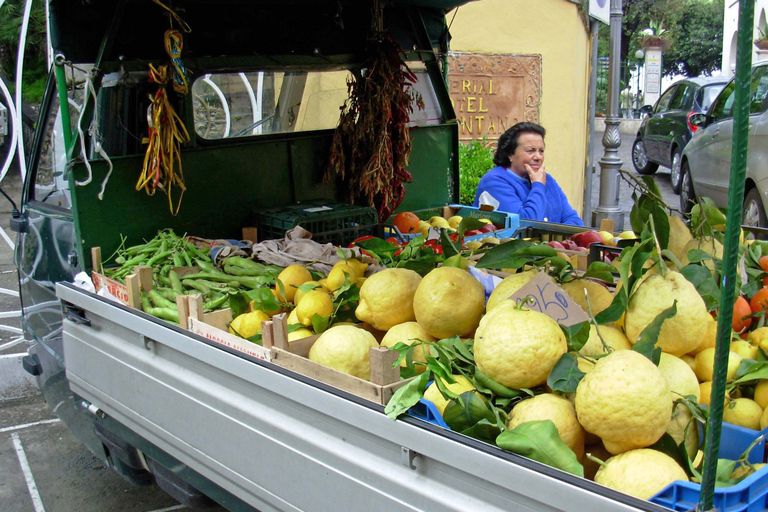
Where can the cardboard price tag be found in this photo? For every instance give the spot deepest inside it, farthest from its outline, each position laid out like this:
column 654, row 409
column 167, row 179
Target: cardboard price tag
column 550, row 299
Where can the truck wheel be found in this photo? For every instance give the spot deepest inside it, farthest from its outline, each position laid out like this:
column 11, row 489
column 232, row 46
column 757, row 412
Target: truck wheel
column 640, row 158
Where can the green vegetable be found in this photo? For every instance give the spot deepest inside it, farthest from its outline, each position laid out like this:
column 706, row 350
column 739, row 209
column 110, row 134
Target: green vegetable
column 170, row 315
column 159, row 301
column 497, row 388
column 175, row 282
column 247, row 281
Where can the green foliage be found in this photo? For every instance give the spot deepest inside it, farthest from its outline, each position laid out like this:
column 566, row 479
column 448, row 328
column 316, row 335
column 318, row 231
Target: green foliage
column 35, row 67
column 475, row 159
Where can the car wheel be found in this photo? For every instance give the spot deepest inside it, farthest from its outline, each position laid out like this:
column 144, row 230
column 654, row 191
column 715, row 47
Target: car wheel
column 754, row 214
column 640, row 158
column 687, row 195
column 675, row 177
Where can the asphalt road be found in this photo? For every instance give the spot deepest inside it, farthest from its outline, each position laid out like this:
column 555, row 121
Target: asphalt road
column 44, row 468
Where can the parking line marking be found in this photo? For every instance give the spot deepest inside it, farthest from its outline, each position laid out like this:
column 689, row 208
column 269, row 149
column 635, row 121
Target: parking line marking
column 168, row 509
column 27, row 425
column 31, row 486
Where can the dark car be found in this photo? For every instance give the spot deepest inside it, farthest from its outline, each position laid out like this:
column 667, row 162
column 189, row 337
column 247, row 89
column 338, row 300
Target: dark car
column 666, row 129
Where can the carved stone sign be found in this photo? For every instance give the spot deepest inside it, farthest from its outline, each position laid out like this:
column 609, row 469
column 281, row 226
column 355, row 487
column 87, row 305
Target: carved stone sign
column 490, row 93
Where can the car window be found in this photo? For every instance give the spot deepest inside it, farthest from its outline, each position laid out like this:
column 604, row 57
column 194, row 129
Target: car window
column 758, row 90
column 665, row 99
column 683, row 98
column 707, row 95
column 723, row 105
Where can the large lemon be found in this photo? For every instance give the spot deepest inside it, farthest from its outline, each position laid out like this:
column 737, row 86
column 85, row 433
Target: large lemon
column 409, row 333
column 709, row 339
column 432, row 393
column 557, row 409
column 679, row 334
column 640, row 473
column 707, row 244
column 248, row 324
column 508, row 286
column 315, row 302
column 292, row 276
column 682, row 427
column 743, row 412
column 679, row 236
column 300, row 333
column 449, row 302
column 625, row 400
column 386, row 298
column 339, row 273
column 518, row 347
column 612, row 336
column 706, row 393
column 315, row 285
column 705, row 364
column 761, row 393
column 680, row 377
column 345, row 348
column 599, row 296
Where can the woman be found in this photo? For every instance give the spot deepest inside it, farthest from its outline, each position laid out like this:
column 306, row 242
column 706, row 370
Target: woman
column 519, row 184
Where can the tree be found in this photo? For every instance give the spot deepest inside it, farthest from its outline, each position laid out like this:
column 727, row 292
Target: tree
column 35, row 53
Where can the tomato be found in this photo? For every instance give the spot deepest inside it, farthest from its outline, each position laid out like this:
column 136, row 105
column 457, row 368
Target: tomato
column 763, row 262
column 360, row 239
column 435, row 245
column 741, row 311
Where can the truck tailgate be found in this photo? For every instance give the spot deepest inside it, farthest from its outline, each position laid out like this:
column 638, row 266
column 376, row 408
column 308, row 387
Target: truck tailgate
column 280, row 441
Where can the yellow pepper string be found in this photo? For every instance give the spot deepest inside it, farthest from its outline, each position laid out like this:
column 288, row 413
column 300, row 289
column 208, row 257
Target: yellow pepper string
column 183, row 24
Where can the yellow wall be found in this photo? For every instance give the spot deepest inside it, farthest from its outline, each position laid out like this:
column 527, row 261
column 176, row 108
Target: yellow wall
column 555, row 30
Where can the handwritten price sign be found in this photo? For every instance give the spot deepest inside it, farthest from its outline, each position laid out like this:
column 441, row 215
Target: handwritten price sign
column 548, row 298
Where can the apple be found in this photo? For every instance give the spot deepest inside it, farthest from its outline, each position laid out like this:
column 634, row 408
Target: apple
column 569, row 244
column 487, row 228
column 555, row 244
column 587, row 238
column 472, row 232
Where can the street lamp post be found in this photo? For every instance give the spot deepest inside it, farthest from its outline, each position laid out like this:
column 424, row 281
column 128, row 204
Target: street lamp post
column 639, row 55
column 610, row 162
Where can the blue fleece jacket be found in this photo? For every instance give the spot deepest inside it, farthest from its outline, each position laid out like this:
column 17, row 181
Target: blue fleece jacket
column 535, row 201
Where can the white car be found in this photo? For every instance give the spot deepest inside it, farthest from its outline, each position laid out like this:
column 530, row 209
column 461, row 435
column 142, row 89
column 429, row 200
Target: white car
column 706, row 159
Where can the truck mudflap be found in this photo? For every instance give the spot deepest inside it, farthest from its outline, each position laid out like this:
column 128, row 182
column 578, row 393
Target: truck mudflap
column 280, row 441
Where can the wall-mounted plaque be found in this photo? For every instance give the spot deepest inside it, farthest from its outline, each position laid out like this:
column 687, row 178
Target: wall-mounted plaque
column 490, row 93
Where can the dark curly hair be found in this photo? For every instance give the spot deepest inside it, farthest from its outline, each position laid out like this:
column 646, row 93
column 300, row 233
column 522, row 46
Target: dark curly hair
column 508, row 141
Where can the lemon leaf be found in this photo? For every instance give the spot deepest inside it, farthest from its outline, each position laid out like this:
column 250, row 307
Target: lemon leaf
column 600, row 271
column 466, row 410
column 407, row 396
column 576, row 335
column 615, row 310
column 565, row 375
column 666, row 444
column 751, row 370
column 468, row 224
column 539, row 440
column 240, row 303
column 319, row 323
column 498, row 255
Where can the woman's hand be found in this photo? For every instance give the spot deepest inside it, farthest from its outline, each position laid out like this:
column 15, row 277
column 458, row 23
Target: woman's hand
column 539, row 175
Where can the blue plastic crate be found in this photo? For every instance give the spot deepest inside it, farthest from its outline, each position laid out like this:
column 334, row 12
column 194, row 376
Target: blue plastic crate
column 498, row 217
column 749, row 495
column 427, row 411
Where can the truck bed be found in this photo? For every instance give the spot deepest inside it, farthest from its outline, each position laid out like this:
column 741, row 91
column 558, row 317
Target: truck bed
column 277, row 440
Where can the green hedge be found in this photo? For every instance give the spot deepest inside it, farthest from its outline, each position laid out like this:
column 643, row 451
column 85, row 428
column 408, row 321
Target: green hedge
column 475, row 159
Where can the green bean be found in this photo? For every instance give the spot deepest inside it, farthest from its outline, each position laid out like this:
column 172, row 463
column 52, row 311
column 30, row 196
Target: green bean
column 167, row 314
column 216, row 303
column 175, row 282
column 207, row 266
column 177, row 261
column 247, row 281
column 167, row 293
column 498, row 388
column 157, row 257
column 197, row 284
column 159, row 301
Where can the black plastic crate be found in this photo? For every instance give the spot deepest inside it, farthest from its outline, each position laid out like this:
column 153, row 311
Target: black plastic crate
column 328, row 222
column 546, row 231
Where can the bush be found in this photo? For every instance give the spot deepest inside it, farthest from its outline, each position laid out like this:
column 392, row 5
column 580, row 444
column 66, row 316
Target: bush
column 475, row 159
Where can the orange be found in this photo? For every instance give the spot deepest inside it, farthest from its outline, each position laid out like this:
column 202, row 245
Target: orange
column 759, row 301
column 763, row 262
column 406, row 222
column 741, row 311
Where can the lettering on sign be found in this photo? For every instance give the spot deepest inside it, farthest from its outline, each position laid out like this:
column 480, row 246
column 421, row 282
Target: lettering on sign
column 118, row 290
column 228, row 340
column 490, row 93
column 548, row 298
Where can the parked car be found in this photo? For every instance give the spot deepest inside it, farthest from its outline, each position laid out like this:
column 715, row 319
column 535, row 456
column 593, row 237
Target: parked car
column 706, row 160
column 666, row 129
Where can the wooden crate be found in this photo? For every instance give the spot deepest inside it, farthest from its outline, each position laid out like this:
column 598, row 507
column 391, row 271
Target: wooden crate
column 385, row 379
column 128, row 293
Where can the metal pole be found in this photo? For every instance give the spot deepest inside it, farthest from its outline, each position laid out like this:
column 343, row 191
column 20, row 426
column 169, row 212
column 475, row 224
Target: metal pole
column 590, row 170
column 731, row 249
column 610, row 163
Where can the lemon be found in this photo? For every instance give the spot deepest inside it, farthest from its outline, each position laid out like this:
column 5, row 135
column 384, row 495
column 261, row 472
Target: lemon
column 293, row 318
column 439, row 222
column 742, row 470
column 358, row 265
column 291, row 277
column 454, row 222
column 508, row 286
column 409, row 333
column 386, row 298
column 758, row 335
column 743, row 412
column 248, row 324
column 432, row 393
column 300, row 294
column 679, row 236
column 339, row 273
column 599, row 296
column 449, row 302
column 300, row 333
column 518, row 347
column 690, row 361
column 625, row 400
column 764, row 419
column 706, row 392
column 744, row 349
column 627, row 235
column 679, row 334
column 761, row 393
column 680, row 377
column 707, row 244
column 315, row 302
column 709, row 339
column 345, row 348
column 682, row 428
column 613, row 337
column 474, row 245
column 705, row 361
column 557, row 409
column 424, row 228
column 640, row 473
